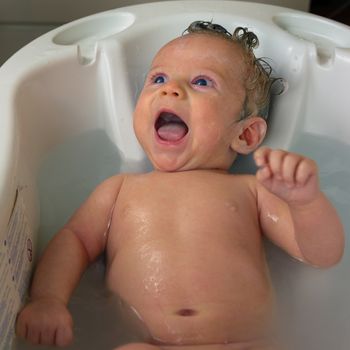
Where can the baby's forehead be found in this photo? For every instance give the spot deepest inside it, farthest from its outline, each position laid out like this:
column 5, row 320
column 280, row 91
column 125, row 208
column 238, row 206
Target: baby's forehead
column 202, row 46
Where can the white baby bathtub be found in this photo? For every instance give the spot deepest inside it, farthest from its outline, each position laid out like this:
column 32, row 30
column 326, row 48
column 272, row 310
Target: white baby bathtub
column 66, row 103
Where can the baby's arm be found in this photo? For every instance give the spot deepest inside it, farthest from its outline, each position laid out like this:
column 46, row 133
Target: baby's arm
column 294, row 213
column 46, row 319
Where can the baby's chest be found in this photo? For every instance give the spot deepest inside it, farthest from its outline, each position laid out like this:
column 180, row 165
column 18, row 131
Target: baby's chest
column 185, row 191
column 187, row 211
column 189, row 202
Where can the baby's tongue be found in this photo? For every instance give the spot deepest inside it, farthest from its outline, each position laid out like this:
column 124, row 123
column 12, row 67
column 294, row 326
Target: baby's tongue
column 172, row 131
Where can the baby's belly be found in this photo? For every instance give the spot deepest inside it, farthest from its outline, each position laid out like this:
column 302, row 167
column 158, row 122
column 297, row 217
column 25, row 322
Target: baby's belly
column 203, row 324
column 195, row 302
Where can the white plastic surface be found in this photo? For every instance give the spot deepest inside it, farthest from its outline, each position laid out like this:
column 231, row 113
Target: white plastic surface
column 82, row 80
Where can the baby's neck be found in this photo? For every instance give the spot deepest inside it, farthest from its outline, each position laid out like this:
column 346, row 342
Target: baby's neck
column 213, row 170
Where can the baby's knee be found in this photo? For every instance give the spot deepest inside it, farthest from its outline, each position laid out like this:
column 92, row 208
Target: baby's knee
column 138, row 346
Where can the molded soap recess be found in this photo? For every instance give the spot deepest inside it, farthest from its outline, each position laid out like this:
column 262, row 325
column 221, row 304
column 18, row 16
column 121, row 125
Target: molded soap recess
column 85, row 34
column 324, row 34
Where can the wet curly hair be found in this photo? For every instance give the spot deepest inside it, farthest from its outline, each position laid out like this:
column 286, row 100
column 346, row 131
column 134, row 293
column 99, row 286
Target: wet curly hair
column 259, row 78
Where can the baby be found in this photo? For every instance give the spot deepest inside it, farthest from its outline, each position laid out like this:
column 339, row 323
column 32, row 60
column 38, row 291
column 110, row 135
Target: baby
column 184, row 242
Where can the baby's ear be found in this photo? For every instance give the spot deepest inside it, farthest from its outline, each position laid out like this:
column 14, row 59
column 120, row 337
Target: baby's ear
column 250, row 133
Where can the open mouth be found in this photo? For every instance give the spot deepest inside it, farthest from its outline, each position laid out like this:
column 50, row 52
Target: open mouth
column 170, row 127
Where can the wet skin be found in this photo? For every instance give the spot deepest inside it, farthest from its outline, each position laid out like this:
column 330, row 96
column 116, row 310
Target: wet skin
column 184, row 242
column 189, row 258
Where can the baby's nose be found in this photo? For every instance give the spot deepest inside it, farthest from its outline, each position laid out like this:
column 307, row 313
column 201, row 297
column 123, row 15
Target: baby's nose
column 173, row 89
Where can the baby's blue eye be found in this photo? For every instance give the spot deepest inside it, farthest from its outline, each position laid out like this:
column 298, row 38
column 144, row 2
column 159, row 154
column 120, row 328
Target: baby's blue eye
column 202, row 82
column 159, row 79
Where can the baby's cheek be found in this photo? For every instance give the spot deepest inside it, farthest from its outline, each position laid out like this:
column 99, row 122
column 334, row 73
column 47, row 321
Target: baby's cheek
column 139, row 129
column 211, row 134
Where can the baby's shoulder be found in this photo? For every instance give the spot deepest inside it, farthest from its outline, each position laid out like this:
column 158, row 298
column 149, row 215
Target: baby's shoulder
column 110, row 186
column 125, row 180
column 243, row 183
column 244, row 179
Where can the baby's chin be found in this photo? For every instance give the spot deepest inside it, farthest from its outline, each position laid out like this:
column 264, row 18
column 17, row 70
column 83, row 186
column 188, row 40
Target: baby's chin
column 172, row 162
column 171, row 168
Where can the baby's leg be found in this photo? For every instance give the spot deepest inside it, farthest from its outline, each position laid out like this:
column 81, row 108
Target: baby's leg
column 241, row 346
column 138, row 346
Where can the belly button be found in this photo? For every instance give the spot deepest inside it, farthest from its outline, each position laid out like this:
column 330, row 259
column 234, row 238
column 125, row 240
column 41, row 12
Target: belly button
column 186, row 312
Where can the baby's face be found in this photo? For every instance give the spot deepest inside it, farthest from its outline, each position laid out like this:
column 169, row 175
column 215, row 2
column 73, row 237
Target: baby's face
column 186, row 116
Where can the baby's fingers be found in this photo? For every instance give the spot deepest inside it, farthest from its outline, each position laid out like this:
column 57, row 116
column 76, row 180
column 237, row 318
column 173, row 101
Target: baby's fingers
column 34, row 335
column 21, row 327
column 275, row 161
column 289, row 168
column 64, row 336
column 45, row 323
column 266, row 158
column 305, row 170
column 261, row 156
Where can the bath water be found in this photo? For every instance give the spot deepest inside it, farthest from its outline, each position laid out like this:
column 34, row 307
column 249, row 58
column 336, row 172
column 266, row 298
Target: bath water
column 315, row 301
column 314, row 310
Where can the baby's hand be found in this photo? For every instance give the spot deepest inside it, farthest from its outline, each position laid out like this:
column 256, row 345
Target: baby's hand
column 289, row 176
column 45, row 322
